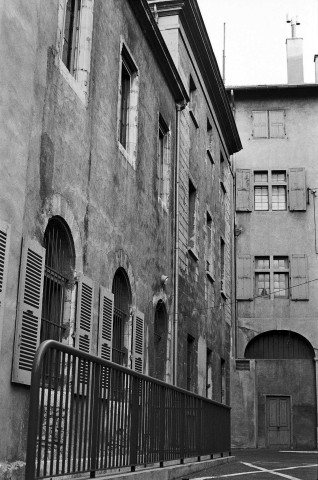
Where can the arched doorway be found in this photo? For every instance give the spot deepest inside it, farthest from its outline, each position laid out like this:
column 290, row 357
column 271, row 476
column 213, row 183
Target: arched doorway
column 122, row 301
column 285, row 389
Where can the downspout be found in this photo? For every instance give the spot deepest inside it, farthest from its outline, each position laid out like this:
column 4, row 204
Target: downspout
column 179, row 108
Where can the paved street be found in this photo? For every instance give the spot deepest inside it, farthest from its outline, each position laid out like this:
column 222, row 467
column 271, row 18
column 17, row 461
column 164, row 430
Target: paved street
column 265, row 465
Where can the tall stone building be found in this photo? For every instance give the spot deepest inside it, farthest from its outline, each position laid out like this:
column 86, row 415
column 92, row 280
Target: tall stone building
column 274, row 381
column 116, row 195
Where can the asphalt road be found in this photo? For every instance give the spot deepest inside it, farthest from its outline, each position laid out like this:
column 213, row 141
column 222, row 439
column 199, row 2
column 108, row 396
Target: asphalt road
column 264, row 464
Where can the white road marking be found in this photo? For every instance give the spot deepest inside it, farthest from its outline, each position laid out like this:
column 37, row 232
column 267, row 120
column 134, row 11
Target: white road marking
column 271, row 471
column 261, row 470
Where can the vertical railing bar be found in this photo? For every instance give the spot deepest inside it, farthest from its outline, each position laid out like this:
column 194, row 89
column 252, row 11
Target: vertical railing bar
column 102, row 400
column 121, row 417
column 55, row 395
column 72, row 400
column 81, row 394
column 107, row 433
column 40, row 425
column 95, row 419
column 115, row 418
column 126, row 427
column 88, row 416
column 47, row 416
column 111, row 380
column 76, row 410
column 58, row 446
column 67, row 413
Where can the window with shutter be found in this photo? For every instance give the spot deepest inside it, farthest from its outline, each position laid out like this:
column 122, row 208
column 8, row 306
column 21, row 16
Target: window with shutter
column 138, row 342
column 105, row 333
column 299, row 277
column 276, row 123
column 4, row 260
column 260, row 124
column 297, row 189
column 244, row 278
column 84, row 314
column 243, row 190
column 28, row 321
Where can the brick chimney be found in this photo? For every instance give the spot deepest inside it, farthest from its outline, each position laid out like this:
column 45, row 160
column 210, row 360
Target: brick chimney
column 294, row 48
column 316, row 68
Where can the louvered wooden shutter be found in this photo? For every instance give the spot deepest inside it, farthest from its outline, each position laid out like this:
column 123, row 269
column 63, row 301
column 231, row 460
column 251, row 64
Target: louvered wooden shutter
column 277, row 123
column 244, row 278
column 138, row 342
column 244, row 197
column 260, row 125
column 27, row 335
column 84, row 42
column 106, row 311
column 297, row 189
column 84, row 314
column 299, row 277
column 4, row 260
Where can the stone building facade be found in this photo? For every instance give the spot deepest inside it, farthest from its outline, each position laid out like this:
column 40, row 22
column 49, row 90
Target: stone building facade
column 100, row 151
column 274, row 380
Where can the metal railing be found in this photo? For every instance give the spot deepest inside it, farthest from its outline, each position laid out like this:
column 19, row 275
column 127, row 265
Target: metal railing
column 89, row 415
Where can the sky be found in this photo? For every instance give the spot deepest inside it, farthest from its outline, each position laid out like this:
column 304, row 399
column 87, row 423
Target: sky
column 255, row 38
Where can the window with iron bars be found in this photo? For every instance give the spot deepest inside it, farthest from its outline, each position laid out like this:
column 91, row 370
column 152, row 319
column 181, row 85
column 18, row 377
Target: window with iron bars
column 122, row 300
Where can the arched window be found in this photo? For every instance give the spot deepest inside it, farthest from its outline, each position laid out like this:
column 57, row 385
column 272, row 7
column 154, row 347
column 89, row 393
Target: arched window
column 279, row 344
column 59, row 267
column 122, row 301
column 160, row 341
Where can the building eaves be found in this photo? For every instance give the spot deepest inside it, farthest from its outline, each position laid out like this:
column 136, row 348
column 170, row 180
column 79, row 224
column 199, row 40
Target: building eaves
column 156, row 42
column 303, row 90
column 194, row 27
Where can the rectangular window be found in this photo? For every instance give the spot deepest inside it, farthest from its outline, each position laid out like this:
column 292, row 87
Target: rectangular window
column 193, row 101
column 192, row 219
column 190, row 345
column 209, row 139
column 272, row 277
column 270, row 190
column 70, row 35
column 222, row 251
column 128, row 106
column 208, row 373
column 163, row 161
column 268, row 123
column 223, row 381
column 209, row 258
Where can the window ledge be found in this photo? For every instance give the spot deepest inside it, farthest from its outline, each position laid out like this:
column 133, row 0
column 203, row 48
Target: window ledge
column 224, row 295
column 208, row 151
column 163, row 205
column 195, row 121
column 73, row 83
column 192, row 251
column 127, row 156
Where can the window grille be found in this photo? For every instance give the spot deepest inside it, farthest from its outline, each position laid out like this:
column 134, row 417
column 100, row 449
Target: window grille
column 121, row 291
column 71, row 30
column 59, row 261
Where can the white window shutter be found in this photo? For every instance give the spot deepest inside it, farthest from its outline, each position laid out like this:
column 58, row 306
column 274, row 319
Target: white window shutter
column 244, row 197
column 138, row 342
column 105, row 335
column 299, row 277
column 277, row 123
column 28, row 324
column 244, row 278
column 260, row 125
column 84, row 314
column 297, row 189
column 4, row 261
column 84, row 43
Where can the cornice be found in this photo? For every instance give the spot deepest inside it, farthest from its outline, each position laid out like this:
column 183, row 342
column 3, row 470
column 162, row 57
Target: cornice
column 194, row 27
column 156, row 42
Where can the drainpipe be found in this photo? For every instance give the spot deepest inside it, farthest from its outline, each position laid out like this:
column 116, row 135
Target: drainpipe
column 179, row 108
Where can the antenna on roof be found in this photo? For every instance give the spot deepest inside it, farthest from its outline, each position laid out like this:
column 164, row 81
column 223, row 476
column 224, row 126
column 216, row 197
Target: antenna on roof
column 293, row 22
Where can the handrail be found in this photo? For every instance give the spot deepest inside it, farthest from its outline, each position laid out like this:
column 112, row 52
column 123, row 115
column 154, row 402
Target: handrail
column 89, row 414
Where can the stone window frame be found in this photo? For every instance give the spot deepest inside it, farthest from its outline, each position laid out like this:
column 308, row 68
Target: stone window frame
column 130, row 150
column 78, row 79
column 164, row 161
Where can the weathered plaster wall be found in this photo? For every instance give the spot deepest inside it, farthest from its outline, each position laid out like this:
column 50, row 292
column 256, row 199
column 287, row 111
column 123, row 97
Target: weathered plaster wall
column 55, row 146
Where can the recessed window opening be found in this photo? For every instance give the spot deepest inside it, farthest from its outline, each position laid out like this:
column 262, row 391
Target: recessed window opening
column 122, row 302
column 209, row 241
column 192, row 215
column 190, row 346
column 71, row 30
column 160, row 340
column 59, row 267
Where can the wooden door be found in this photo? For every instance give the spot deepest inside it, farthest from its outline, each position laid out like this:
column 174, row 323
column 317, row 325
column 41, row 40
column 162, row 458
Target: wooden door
column 278, row 421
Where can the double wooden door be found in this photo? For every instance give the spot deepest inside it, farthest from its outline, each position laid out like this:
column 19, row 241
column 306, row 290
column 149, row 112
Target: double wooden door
column 278, row 421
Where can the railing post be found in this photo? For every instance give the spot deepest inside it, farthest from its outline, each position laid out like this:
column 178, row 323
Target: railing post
column 162, row 425
column 134, row 422
column 199, row 427
column 182, row 426
column 95, row 420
